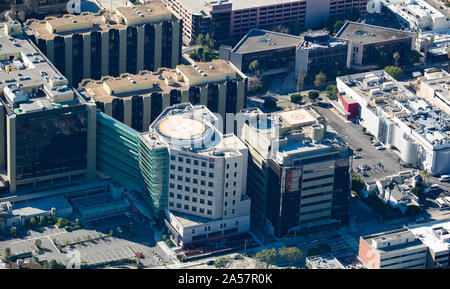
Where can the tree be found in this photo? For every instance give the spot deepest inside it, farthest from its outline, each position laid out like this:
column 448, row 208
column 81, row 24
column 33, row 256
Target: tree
column 391, row 186
column 38, row 243
column 222, row 262
column 52, row 264
column 42, row 220
column 357, row 184
column 60, row 222
column 412, row 210
column 296, row 98
column 33, row 221
column 289, row 256
column 7, row 254
column 200, row 40
column 77, row 223
column 321, row 80
column 13, row 231
column 313, row 95
column 207, row 39
column 300, row 80
column 194, row 55
column 417, row 190
column 396, row 57
column 270, row 103
column 383, row 60
column 394, row 71
column 337, row 26
column 267, row 257
column 253, row 66
column 332, row 91
column 364, row 129
column 111, row 232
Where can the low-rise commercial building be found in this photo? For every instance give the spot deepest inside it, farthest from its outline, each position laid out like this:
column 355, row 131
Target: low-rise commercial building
column 397, row 249
column 25, row 9
column 434, row 44
column 92, row 45
column 137, row 100
column 367, row 42
column 396, row 117
column 272, row 50
column 48, row 130
column 299, row 171
column 436, row 90
column 329, row 261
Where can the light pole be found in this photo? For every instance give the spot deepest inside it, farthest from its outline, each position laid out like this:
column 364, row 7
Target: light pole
column 245, row 247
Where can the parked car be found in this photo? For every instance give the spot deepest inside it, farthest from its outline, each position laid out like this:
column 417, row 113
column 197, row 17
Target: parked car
column 210, row 263
column 380, row 165
column 357, row 156
column 376, row 144
column 380, row 148
column 358, row 149
column 140, row 255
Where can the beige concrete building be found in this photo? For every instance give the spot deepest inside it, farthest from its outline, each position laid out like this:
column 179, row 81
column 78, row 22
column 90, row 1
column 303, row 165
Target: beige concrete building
column 92, row 45
column 138, row 99
column 436, row 88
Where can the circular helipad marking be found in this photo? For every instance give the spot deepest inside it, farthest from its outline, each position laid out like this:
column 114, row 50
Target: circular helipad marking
column 297, row 116
column 181, row 128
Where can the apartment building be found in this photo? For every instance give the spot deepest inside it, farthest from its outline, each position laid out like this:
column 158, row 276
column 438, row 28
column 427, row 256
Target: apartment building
column 299, row 172
column 207, row 174
column 397, row 249
column 92, row 45
column 228, row 20
column 48, row 130
column 366, row 42
column 417, row 130
column 138, row 99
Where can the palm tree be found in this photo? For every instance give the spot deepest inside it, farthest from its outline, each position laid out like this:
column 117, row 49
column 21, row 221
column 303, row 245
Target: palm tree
column 391, row 186
column 396, row 57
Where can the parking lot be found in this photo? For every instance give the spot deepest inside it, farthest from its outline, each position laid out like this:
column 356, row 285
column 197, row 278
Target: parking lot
column 136, row 237
column 370, row 155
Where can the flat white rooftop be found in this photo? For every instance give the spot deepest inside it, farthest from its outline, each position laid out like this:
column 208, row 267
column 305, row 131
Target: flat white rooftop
column 433, row 235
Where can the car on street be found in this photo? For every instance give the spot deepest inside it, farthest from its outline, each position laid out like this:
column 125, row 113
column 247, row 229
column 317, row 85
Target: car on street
column 140, row 255
column 357, row 156
column 210, row 263
column 419, row 219
column 358, row 149
column 380, row 165
column 376, row 144
column 381, row 148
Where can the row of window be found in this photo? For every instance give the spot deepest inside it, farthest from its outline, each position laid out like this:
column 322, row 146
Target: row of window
column 188, row 161
column 208, row 228
column 188, row 189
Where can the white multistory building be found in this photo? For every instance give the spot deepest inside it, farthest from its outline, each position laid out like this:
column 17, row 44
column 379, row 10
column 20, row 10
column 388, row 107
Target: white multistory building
column 417, row 14
column 418, row 131
column 207, row 176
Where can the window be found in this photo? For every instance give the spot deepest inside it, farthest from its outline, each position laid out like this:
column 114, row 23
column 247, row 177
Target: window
column 203, row 164
column 172, row 176
column 178, row 205
column 194, row 199
column 195, row 181
column 186, row 207
column 187, row 189
column 172, row 158
column 209, row 203
column 211, row 165
column 225, row 204
column 202, row 201
column 180, row 159
column 188, row 170
column 180, row 178
column 171, row 194
column 172, row 185
column 232, row 211
column 172, row 167
column 210, row 184
column 170, row 204
column 187, row 179
column 202, row 182
column 194, row 190
column 195, row 172
column 186, row 198
column 211, row 175
column 202, row 210
column 209, row 212
column 203, row 174
column 196, row 162
column 188, row 161
column 202, row 192
column 225, row 213
column 179, row 187
column 180, row 169
column 194, row 209
column 179, row 196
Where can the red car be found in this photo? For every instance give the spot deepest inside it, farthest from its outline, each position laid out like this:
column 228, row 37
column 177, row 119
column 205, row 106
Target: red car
column 140, row 255
column 358, row 149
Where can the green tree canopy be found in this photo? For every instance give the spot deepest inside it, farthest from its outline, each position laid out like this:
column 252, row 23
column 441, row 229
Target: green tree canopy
column 270, row 103
column 357, row 184
column 296, row 98
column 267, row 257
column 313, row 95
column 394, row 71
column 321, row 80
